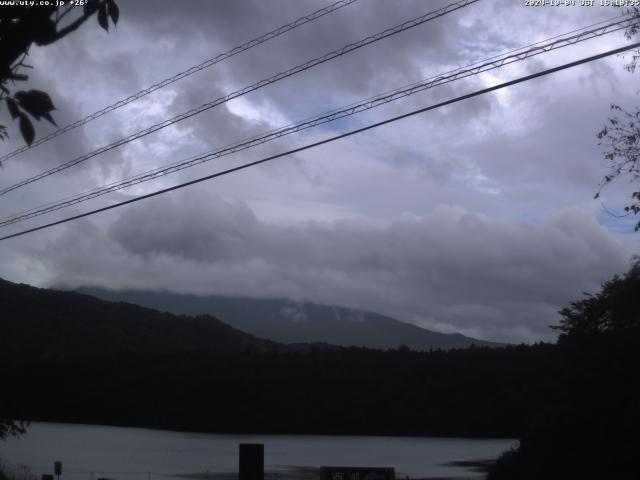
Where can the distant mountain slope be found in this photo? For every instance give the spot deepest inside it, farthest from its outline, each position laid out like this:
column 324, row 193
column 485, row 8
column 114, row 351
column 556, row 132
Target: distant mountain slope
column 290, row 322
column 35, row 320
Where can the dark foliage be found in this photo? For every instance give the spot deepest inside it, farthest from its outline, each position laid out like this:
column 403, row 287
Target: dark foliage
column 71, row 357
column 45, row 322
column 10, row 428
column 631, row 32
column 589, row 429
column 474, row 392
column 621, row 137
column 22, row 26
column 616, row 308
column 621, row 134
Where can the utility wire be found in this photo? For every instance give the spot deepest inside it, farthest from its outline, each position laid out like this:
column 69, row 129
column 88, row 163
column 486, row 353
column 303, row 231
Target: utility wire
column 463, row 72
column 262, row 83
column 331, row 139
column 373, row 102
column 178, row 76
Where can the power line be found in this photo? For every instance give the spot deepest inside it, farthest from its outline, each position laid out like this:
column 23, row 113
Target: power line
column 190, row 71
column 331, row 139
column 463, row 72
column 238, row 93
column 373, row 102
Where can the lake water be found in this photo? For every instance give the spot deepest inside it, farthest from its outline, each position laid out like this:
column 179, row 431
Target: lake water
column 89, row 452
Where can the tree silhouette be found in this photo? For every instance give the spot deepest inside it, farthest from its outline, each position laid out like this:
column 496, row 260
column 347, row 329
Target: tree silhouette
column 590, row 429
column 616, row 308
column 23, row 26
column 621, row 135
column 11, row 428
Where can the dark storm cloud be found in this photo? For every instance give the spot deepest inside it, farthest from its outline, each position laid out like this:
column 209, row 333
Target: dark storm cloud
column 474, row 218
column 367, row 72
column 451, row 266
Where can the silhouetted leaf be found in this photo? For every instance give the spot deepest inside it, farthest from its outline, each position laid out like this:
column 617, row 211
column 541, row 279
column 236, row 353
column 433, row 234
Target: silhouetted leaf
column 102, row 17
column 13, row 108
column 47, row 116
column 114, row 11
column 90, row 7
column 37, row 103
column 10, row 12
column 44, row 31
column 26, row 129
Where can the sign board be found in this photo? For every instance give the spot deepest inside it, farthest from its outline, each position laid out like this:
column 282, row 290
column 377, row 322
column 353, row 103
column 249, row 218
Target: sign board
column 251, row 461
column 357, row 473
column 57, row 468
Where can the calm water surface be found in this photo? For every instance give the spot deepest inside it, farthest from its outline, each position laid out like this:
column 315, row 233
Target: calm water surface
column 89, row 452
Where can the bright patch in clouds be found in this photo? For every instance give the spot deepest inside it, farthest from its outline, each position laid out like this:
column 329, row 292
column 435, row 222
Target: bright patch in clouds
column 478, row 218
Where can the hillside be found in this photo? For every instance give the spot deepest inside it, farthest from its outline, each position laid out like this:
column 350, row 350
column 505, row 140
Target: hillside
column 292, row 322
column 50, row 321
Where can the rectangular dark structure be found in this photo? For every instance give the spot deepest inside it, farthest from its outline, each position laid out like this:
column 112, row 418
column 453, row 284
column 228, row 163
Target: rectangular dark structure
column 251, row 461
column 357, row 473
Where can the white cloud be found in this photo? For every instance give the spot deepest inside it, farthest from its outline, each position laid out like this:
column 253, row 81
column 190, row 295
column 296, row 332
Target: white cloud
column 477, row 218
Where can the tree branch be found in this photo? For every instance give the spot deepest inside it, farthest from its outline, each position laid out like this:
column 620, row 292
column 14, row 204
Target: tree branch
column 76, row 23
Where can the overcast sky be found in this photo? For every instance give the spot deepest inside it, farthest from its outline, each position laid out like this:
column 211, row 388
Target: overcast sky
column 476, row 218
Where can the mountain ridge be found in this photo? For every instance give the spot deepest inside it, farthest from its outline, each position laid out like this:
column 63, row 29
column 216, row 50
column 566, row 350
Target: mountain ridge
column 290, row 322
column 47, row 321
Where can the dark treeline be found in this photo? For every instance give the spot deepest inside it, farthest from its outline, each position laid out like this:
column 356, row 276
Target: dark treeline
column 472, row 392
column 71, row 357
column 590, row 428
column 575, row 405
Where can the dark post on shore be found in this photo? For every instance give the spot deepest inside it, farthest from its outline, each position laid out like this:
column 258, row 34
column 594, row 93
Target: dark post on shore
column 251, row 461
column 57, row 469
